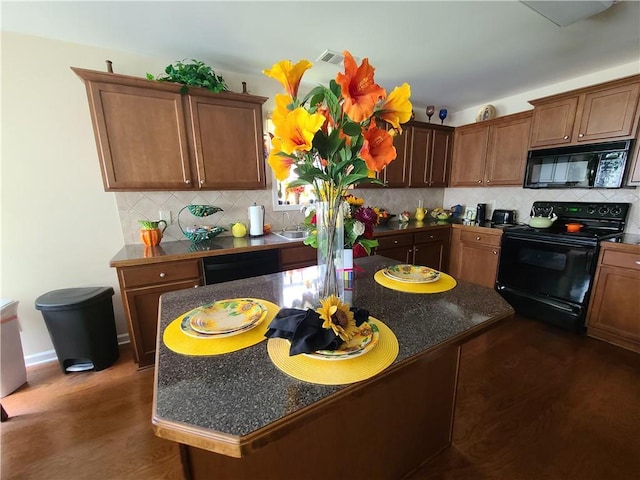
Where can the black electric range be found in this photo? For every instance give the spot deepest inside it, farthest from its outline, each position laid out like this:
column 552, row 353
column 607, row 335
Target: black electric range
column 547, row 273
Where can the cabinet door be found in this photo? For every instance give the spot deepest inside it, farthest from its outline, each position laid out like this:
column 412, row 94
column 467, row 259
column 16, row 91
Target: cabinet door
column 469, row 156
column 440, row 158
column 431, row 248
column 142, row 308
column 613, row 313
column 399, row 247
column 420, row 154
column 395, row 174
column 478, row 264
column 507, row 152
column 553, row 123
column 227, row 137
column 141, row 137
column 608, row 114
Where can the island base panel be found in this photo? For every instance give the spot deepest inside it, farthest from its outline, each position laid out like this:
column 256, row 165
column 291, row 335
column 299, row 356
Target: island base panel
column 384, row 430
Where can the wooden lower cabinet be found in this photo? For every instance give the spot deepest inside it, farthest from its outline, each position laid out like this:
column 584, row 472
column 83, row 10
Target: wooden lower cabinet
column 141, row 287
column 475, row 254
column 614, row 309
column 298, row 256
column 429, row 248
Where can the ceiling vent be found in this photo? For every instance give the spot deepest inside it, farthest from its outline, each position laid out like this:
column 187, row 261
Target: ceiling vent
column 564, row 13
column 329, row 56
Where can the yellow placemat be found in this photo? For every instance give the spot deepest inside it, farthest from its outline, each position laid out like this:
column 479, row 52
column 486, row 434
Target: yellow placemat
column 336, row 372
column 175, row 339
column 446, row 282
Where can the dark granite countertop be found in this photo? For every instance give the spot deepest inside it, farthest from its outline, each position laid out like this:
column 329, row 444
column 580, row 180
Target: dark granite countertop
column 138, row 254
column 241, row 392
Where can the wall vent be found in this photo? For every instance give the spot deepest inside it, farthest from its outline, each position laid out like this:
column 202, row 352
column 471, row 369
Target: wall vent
column 329, row 56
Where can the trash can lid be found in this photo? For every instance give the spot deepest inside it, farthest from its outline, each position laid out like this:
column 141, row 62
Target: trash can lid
column 71, row 298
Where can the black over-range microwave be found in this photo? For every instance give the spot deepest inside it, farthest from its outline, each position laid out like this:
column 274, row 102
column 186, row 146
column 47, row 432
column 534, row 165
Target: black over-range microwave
column 583, row 166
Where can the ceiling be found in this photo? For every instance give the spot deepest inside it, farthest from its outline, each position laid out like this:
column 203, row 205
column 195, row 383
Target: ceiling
column 454, row 54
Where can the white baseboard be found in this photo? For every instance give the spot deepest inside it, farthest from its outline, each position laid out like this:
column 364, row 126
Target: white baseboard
column 50, row 355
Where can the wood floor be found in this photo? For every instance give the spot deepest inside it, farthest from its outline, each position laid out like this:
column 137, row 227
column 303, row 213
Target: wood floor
column 534, row 403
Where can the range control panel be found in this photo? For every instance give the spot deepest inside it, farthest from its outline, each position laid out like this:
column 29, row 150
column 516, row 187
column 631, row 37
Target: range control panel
column 586, row 210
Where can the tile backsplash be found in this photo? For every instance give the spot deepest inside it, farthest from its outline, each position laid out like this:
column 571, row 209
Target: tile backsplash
column 134, row 206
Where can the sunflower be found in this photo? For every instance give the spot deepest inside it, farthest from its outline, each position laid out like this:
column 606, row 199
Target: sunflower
column 338, row 317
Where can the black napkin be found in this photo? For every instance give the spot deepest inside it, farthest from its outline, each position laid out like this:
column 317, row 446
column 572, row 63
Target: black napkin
column 303, row 328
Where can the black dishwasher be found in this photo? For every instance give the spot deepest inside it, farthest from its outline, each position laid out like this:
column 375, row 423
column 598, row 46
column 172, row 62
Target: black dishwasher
column 223, row 268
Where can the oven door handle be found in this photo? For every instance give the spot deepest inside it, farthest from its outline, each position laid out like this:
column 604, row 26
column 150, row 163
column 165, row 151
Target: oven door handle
column 508, row 237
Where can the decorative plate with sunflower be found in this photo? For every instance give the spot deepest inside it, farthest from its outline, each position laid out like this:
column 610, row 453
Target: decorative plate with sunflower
column 411, row 273
column 224, row 317
column 362, row 342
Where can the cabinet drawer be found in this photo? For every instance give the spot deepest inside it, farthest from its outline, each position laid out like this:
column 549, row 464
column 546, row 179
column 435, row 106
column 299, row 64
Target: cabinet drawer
column 169, row 272
column 621, row 259
column 438, row 235
column 481, row 238
column 405, row 240
column 298, row 255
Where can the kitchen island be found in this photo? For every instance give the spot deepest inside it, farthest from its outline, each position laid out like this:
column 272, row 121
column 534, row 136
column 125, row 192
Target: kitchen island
column 238, row 416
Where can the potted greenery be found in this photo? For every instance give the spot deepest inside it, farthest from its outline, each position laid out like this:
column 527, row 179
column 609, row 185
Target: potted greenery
column 195, row 74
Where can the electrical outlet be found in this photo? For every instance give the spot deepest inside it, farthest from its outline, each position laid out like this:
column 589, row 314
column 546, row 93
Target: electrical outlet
column 166, row 216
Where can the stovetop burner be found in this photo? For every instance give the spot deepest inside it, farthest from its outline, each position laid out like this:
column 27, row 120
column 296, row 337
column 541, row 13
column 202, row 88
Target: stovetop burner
column 600, row 221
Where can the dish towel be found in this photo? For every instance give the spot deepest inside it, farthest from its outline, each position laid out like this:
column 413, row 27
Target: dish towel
column 446, row 282
column 303, row 328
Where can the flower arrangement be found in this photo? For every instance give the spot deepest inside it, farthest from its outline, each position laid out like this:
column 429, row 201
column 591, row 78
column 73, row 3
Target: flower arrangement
column 358, row 227
column 333, row 138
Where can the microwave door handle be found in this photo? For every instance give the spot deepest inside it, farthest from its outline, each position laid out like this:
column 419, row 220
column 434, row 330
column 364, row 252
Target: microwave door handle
column 593, row 167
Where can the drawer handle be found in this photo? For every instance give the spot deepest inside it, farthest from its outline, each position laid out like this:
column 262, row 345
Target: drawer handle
column 430, row 236
column 187, row 181
column 201, row 182
column 495, row 252
column 395, row 241
column 637, row 262
column 580, row 135
column 478, row 238
column 566, row 137
column 162, row 274
column 196, row 286
column 479, row 181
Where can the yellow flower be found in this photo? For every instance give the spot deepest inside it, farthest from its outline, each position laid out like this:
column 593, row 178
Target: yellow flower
column 338, row 317
column 279, row 163
column 281, row 111
column 288, row 75
column 297, row 130
column 397, row 109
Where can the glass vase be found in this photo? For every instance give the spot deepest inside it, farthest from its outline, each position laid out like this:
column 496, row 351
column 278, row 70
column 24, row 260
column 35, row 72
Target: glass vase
column 330, row 234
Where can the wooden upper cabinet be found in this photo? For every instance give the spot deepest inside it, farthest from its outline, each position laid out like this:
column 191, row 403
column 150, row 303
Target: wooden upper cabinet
column 600, row 113
column 469, row 156
column 141, row 137
column 395, row 174
column 150, row 137
column 227, row 136
column 507, row 150
column 634, row 169
column 493, row 152
column 430, row 150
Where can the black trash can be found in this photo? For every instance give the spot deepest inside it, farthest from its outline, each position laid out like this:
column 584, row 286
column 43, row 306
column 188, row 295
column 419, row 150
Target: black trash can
column 82, row 327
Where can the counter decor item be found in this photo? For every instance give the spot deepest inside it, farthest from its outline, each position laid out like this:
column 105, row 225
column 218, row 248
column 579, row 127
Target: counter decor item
column 332, row 138
column 420, row 213
column 542, row 222
column 431, row 109
column 151, row 233
column 442, row 114
column 200, row 233
column 486, row 112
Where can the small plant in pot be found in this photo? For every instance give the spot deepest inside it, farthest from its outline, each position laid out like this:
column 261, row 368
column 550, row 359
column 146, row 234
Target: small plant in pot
column 194, row 74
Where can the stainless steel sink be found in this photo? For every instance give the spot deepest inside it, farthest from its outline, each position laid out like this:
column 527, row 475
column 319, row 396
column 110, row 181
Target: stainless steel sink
column 292, row 234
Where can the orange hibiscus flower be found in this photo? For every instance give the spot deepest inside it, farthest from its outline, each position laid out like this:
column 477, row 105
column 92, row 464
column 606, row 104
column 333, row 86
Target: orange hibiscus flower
column 378, row 150
column 359, row 90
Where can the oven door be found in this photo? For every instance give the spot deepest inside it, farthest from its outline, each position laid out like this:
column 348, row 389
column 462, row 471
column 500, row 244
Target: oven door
column 552, row 269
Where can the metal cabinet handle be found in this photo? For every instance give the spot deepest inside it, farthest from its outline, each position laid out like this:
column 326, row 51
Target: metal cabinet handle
column 430, row 236
column 196, row 286
column 479, row 181
column 580, row 135
column 395, row 241
column 488, row 181
column 162, row 274
column 495, row 252
column 637, row 262
column 478, row 238
column 201, row 182
column 187, row 181
column 566, row 137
